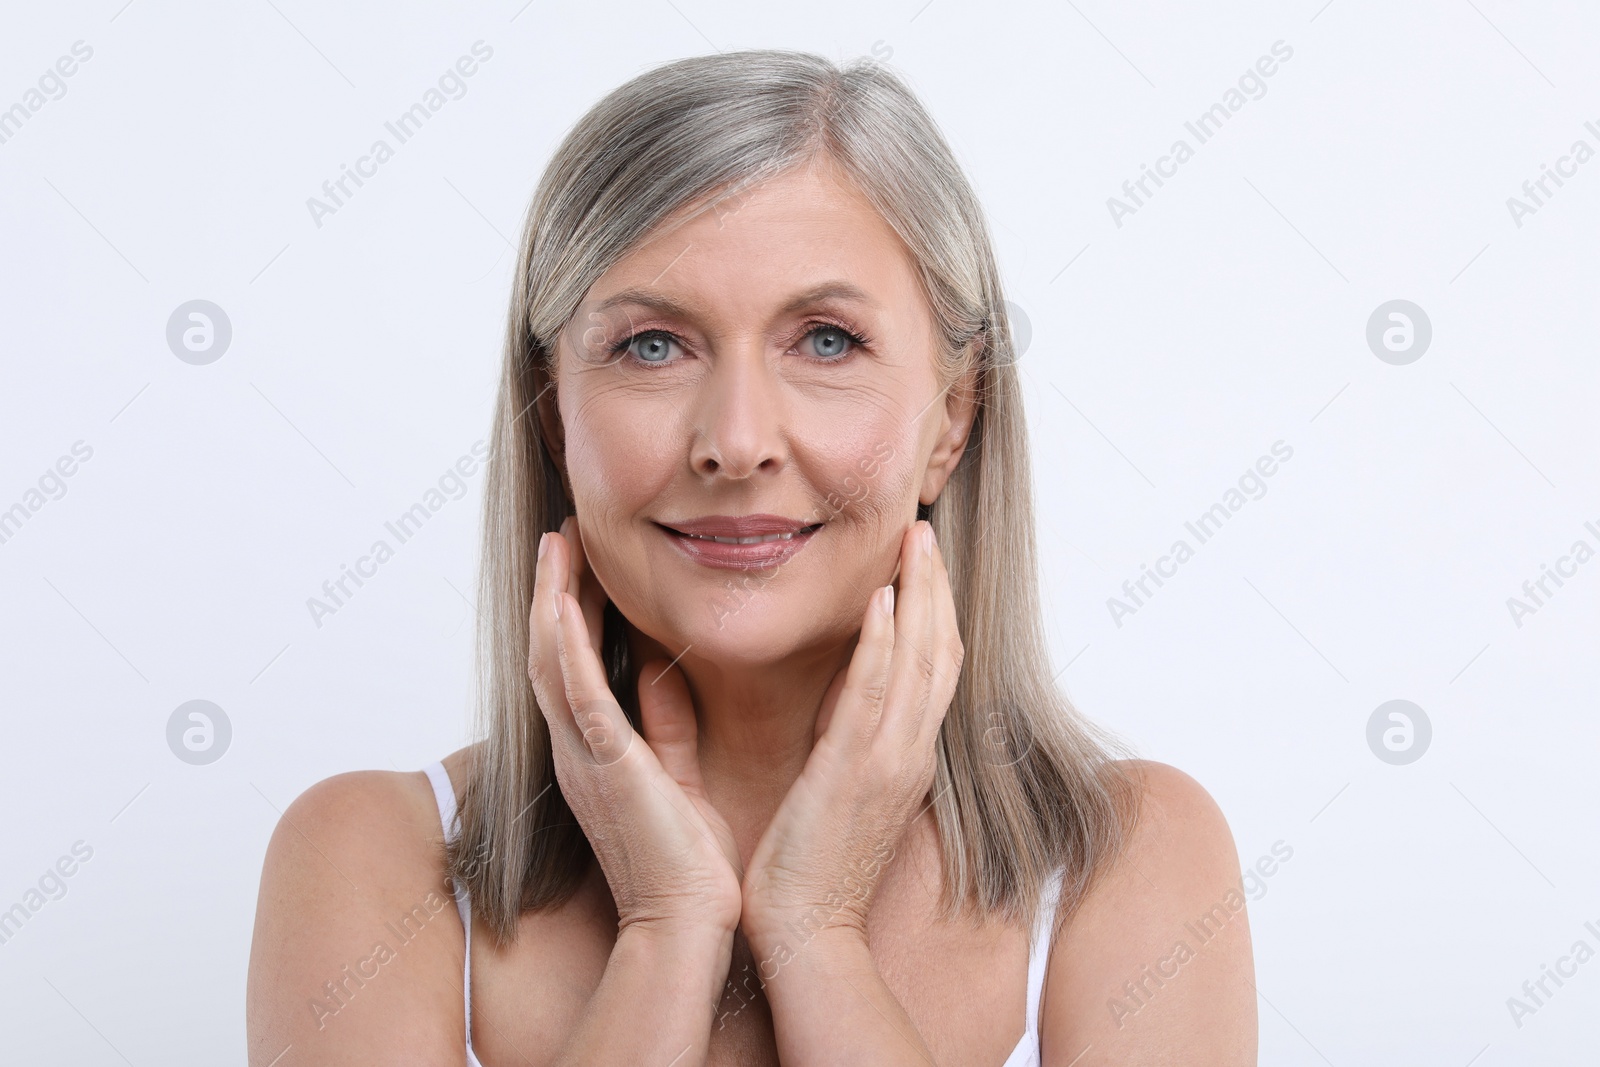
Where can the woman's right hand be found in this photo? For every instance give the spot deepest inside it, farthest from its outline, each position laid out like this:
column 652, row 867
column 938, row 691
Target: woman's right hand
column 668, row 855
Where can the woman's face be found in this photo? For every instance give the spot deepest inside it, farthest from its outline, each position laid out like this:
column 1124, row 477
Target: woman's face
column 770, row 354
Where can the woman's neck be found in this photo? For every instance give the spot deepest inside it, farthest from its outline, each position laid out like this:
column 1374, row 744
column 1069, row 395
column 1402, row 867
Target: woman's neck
column 757, row 725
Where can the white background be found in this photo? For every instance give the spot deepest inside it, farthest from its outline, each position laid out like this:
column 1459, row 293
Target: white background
column 1227, row 313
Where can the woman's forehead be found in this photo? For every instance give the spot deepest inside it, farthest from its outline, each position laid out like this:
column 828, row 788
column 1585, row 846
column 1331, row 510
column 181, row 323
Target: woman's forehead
column 795, row 242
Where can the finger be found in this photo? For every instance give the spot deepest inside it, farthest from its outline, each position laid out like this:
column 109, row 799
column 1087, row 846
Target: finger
column 666, row 712
column 594, row 708
column 582, row 582
column 830, row 700
column 854, row 719
column 544, row 668
column 947, row 648
column 912, row 674
column 934, row 666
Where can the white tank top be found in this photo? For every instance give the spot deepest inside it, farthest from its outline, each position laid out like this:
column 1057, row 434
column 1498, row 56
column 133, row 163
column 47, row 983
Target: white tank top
column 1026, row 1054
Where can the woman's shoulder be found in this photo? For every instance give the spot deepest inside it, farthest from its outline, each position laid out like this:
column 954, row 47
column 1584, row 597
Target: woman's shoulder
column 1166, row 794
column 353, row 880
column 368, row 814
column 1159, row 947
column 1176, row 828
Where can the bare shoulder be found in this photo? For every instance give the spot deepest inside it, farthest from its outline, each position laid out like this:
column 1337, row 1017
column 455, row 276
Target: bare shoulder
column 1179, row 823
column 357, row 950
column 1155, row 967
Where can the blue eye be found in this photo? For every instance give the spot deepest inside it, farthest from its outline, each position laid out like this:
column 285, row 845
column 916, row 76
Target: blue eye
column 830, row 345
column 656, row 341
column 837, row 335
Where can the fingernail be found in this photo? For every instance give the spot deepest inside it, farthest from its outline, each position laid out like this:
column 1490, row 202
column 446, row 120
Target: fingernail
column 927, row 539
column 544, row 539
column 559, row 599
column 887, row 600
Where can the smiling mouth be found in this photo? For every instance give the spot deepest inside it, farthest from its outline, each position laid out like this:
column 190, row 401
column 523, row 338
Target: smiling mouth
column 762, row 539
column 743, row 545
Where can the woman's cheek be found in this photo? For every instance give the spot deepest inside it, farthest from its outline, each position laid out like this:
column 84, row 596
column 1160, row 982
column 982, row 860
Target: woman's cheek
column 882, row 454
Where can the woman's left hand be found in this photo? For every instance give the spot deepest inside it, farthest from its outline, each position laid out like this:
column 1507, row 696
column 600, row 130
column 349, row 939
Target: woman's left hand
column 871, row 766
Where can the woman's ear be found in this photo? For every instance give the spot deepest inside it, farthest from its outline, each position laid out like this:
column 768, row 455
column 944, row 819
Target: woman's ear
column 960, row 409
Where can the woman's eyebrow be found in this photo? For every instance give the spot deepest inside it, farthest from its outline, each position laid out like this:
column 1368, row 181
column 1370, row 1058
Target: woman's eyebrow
column 658, row 302
column 830, row 291
column 665, row 305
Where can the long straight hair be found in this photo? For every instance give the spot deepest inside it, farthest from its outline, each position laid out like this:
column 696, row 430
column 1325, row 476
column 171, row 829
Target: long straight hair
column 1023, row 784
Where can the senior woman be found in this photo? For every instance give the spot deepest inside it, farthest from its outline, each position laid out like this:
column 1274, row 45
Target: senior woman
column 773, row 768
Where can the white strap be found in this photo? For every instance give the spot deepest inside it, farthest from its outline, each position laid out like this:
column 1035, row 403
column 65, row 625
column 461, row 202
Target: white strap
column 444, row 795
column 1039, row 953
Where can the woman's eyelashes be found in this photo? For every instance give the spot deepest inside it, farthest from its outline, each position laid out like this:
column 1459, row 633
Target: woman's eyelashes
column 830, row 343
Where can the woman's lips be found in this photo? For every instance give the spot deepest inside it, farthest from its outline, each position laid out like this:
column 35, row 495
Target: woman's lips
column 759, row 554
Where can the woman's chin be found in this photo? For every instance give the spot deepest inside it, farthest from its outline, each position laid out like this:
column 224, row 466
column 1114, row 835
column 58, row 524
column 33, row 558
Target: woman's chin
column 751, row 636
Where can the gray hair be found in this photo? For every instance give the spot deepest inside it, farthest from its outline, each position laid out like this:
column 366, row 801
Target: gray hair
column 1024, row 784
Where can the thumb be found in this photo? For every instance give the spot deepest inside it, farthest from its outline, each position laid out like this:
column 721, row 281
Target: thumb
column 830, row 700
column 666, row 712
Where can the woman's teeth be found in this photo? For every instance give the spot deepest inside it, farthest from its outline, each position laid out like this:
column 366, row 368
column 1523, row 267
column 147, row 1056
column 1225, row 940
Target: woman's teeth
column 744, row 540
column 747, row 540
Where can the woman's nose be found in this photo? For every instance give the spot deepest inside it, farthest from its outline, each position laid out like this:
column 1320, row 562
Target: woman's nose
column 738, row 417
